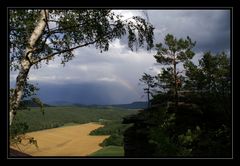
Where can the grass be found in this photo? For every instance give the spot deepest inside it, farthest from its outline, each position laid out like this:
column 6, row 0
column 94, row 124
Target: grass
column 109, row 151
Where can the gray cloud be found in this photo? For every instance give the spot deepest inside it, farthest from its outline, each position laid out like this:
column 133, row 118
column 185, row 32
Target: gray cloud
column 209, row 28
column 113, row 77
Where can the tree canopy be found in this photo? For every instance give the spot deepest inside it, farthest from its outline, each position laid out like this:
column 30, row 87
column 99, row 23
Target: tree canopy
column 67, row 30
column 201, row 124
column 37, row 36
column 171, row 54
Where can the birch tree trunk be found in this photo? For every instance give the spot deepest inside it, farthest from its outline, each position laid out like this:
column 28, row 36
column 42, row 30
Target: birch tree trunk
column 26, row 64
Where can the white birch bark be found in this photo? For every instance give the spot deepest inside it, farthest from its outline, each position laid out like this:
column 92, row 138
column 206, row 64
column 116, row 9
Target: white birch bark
column 26, row 64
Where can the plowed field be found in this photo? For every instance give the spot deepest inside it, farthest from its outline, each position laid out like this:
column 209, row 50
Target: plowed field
column 65, row 141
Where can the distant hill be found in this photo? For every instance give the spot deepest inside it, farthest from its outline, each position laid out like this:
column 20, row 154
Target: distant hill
column 30, row 103
column 134, row 105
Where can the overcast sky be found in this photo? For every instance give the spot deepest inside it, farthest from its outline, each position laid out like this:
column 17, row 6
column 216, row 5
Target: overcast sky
column 113, row 77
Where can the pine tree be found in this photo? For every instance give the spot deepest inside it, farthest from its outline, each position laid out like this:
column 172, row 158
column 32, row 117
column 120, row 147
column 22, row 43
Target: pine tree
column 174, row 51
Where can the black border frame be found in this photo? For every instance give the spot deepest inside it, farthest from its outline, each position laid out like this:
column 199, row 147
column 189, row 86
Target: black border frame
column 233, row 5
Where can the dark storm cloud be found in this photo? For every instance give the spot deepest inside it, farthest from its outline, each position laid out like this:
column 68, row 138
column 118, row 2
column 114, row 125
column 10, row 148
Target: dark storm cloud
column 209, row 28
column 85, row 93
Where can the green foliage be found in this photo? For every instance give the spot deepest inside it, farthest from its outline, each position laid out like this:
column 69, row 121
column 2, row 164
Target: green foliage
column 18, row 132
column 162, row 143
column 178, row 49
column 117, row 151
column 21, row 24
column 29, row 91
column 62, row 32
column 187, row 140
column 160, row 99
column 110, row 127
column 210, row 144
column 189, row 132
column 58, row 116
column 39, row 103
column 212, row 75
column 210, row 84
column 67, row 30
column 18, row 128
column 174, row 51
column 113, row 128
column 200, row 126
column 114, row 139
column 148, row 80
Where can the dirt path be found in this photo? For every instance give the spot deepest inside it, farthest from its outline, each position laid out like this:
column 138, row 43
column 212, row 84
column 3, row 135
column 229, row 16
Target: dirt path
column 65, row 141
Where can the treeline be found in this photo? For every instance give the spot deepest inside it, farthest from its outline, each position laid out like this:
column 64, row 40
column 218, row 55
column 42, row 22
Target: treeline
column 115, row 129
column 190, row 111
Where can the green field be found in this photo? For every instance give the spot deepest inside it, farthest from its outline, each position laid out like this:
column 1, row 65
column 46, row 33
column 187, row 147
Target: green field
column 109, row 151
column 53, row 117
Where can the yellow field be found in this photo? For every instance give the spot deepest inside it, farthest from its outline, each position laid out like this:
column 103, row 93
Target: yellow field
column 65, row 141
